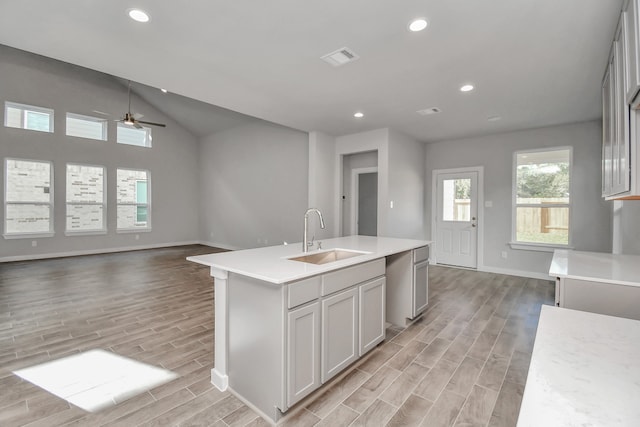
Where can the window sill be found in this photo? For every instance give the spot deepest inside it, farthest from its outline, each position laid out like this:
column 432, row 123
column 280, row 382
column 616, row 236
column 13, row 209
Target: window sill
column 537, row 247
column 85, row 233
column 27, row 236
column 133, row 230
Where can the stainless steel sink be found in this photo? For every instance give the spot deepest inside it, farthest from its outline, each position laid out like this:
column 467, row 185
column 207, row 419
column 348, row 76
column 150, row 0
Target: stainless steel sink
column 326, row 257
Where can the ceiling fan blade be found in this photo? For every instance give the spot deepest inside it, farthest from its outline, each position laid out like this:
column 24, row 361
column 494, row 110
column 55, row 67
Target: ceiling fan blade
column 137, row 125
column 152, row 124
column 138, row 116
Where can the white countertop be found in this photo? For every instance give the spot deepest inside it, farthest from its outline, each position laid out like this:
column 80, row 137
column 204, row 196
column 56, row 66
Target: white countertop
column 596, row 266
column 271, row 264
column 584, row 371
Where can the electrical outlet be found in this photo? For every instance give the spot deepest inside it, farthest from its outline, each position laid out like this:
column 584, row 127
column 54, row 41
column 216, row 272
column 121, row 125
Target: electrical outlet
column 34, row 243
column 504, row 254
column 391, row 204
column 137, row 237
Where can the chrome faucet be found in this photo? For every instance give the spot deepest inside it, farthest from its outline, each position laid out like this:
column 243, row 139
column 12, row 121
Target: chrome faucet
column 305, row 243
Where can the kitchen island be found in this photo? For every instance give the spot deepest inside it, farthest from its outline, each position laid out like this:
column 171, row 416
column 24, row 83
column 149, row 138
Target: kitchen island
column 284, row 327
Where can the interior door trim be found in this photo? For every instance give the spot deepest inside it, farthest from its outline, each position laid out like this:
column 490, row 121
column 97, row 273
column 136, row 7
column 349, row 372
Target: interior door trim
column 434, row 194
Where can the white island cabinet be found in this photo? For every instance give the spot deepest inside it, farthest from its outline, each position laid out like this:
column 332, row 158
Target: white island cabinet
column 597, row 282
column 284, row 327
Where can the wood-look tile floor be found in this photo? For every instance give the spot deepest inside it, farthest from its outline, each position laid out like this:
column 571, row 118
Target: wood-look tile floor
column 464, row 363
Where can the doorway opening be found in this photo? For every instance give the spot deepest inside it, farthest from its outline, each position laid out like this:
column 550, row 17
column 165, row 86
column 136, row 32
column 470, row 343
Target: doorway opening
column 364, row 215
column 360, row 194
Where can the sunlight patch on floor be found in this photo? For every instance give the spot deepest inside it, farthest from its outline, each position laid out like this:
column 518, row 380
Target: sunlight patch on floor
column 95, row 379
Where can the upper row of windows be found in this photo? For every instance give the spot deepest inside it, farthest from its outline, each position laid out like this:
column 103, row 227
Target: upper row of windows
column 41, row 119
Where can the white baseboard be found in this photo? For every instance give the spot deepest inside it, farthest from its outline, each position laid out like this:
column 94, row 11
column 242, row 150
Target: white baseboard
column 220, row 245
column 519, row 273
column 506, row 271
column 96, row 251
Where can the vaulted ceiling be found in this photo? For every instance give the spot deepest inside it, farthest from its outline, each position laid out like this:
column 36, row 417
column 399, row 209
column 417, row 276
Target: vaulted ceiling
column 533, row 62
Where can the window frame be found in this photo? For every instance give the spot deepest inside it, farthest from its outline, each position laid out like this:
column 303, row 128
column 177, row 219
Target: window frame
column 136, row 204
column 534, row 246
column 26, row 108
column 50, row 203
column 148, row 138
column 76, row 116
column 103, row 230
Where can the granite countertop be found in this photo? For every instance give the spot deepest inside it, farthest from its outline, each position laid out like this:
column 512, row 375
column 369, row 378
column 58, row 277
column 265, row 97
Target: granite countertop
column 270, row 264
column 584, row 371
column 596, row 266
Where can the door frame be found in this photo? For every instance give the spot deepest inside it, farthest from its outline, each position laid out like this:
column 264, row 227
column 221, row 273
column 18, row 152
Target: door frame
column 480, row 221
column 355, row 195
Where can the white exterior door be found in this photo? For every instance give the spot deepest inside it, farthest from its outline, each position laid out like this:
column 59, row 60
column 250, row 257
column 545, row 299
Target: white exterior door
column 456, row 219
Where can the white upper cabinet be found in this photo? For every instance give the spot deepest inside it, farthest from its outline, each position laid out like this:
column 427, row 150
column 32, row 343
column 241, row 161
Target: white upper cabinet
column 620, row 87
column 629, row 23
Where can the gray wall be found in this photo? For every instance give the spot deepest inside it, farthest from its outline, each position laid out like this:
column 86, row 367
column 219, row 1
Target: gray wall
column 254, row 182
column 172, row 162
column 627, row 227
column 322, row 149
column 406, row 187
column 591, row 215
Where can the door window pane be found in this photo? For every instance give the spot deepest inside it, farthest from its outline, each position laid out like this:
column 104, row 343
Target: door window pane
column 456, row 199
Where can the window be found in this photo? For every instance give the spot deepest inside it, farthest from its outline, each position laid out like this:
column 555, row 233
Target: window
column 86, row 127
column 28, row 198
column 131, row 135
column 133, row 199
column 28, row 117
column 86, row 198
column 542, row 197
column 456, row 199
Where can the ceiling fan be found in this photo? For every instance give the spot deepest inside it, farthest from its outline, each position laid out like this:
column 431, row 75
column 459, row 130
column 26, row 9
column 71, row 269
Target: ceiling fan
column 134, row 119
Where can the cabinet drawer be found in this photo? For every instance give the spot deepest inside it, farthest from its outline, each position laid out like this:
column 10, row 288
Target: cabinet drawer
column 420, row 254
column 338, row 280
column 303, row 291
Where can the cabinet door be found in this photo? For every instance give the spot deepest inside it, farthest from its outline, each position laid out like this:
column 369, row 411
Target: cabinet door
column 420, row 287
column 608, row 127
column 339, row 332
column 303, row 351
column 630, row 28
column 621, row 182
column 372, row 314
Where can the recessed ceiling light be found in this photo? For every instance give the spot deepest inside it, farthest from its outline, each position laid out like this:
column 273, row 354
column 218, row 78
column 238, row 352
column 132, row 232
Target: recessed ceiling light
column 493, row 118
column 466, row 88
column 138, row 15
column 358, row 115
column 164, row 90
column 418, row 24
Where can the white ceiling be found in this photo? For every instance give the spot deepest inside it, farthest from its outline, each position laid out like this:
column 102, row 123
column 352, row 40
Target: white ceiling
column 533, row 62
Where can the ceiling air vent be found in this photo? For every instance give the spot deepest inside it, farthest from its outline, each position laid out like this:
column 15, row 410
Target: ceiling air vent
column 429, row 111
column 340, row 57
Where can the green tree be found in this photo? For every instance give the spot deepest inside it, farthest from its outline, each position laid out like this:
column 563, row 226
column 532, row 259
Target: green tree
column 543, row 181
